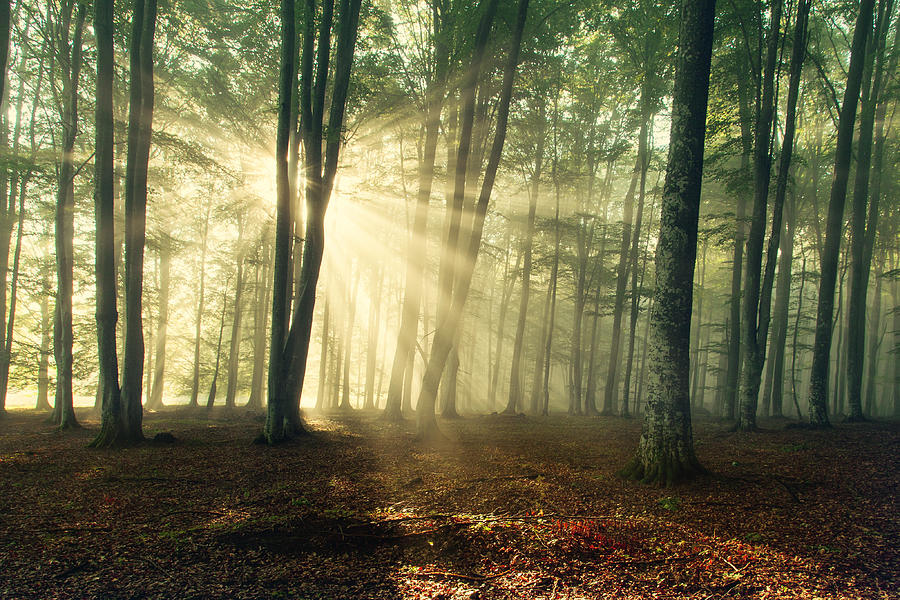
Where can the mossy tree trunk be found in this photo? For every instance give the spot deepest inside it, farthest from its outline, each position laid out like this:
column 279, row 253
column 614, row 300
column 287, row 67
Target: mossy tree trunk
column 665, row 453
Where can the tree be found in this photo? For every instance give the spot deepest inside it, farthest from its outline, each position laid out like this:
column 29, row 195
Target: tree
column 140, row 122
column 447, row 329
column 751, row 326
column 290, row 338
column 112, row 429
column 70, row 57
column 818, row 380
column 665, row 453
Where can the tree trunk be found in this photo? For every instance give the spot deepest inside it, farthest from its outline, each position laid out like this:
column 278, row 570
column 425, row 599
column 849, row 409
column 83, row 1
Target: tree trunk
column 260, row 322
column 211, row 398
column 113, row 429
column 610, row 397
column 818, row 382
column 70, row 59
column 195, row 382
column 516, row 394
column 290, row 345
column 415, row 262
column 753, row 326
column 860, row 231
column 447, row 330
column 234, row 350
column 777, row 349
column 371, row 402
column 348, row 344
column 155, row 402
column 666, row 450
column 140, row 119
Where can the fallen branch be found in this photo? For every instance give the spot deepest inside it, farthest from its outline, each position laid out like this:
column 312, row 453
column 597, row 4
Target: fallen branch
column 462, row 576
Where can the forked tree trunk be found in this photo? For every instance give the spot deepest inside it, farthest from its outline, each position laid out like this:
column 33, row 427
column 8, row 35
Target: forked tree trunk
column 666, row 450
column 753, row 327
column 448, row 329
column 818, row 382
column 860, row 230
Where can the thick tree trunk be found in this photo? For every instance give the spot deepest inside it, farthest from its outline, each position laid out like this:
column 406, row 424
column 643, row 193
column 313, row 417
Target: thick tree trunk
column 818, row 383
column 140, row 119
column 666, row 450
column 112, row 427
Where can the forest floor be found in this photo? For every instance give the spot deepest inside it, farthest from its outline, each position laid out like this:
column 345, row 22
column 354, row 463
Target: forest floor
column 507, row 507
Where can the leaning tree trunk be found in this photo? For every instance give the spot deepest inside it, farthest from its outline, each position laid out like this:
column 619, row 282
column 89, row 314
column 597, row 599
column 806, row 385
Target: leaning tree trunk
column 818, row 381
column 415, row 261
column 666, row 450
column 447, row 330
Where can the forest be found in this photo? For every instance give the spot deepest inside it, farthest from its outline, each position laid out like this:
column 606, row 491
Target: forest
column 449, row 299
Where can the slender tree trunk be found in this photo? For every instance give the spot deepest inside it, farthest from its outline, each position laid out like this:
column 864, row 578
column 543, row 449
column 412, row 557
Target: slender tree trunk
column 211, row 397
column 260, row 322
column 64, row 414
column 775, row 382
column 348, row 344
column 234, row 350
column 818, row 383
column 752, row 326
column 155, row 401
column 610, row 397
column 794, row 394
column 43, row 397
column 666, row 450
column 371, row 402
column 448, row 329
column 644, row 158
column 195, row 382
column 323, row 358
column 415, row 264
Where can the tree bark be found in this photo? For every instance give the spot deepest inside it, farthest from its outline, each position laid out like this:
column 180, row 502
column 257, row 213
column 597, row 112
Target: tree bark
column 155, row 401
column 666, row 450
column 204, row 236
